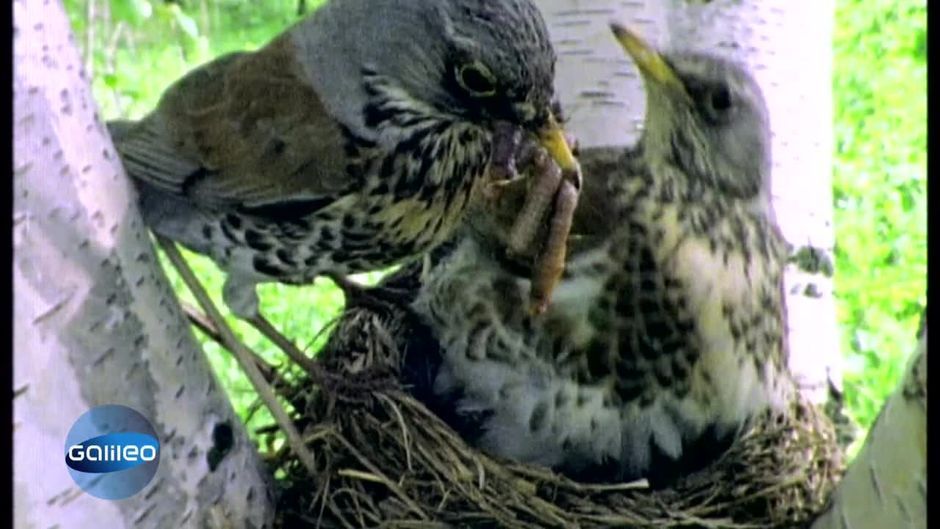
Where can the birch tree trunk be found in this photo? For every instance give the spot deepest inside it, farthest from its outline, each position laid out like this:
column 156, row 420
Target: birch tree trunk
column 787, row 46
column 886, row 486
column 95, row 321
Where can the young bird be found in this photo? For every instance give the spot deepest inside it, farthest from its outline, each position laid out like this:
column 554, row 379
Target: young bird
column 351, row 142
column 667, row 332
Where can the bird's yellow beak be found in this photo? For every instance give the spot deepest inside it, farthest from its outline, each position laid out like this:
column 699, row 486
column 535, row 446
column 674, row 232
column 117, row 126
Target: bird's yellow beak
column 553, row 139
column 649, row 61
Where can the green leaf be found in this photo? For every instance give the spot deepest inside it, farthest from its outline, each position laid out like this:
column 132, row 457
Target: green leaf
column 135, row 12
column 186, row 22
column 110, row 80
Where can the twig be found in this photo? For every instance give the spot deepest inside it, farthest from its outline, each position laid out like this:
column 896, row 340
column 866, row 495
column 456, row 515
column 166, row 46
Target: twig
column 201, row 322
column 284, row 344
column 242, row 354
column 382, row 478
column 207, row 326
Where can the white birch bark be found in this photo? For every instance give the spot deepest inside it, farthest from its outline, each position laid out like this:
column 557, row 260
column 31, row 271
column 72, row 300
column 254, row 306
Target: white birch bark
column 787, row 45
column 886, row 485
column 95, row 320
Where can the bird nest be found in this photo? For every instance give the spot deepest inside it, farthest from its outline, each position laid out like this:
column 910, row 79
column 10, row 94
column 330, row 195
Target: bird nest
column 383, row 459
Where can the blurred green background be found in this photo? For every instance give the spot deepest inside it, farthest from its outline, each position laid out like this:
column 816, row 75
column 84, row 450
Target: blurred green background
column 136, row 48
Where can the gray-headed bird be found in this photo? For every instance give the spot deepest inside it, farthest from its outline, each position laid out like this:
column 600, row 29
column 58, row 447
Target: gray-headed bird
column 351, row 142
column 667, row 332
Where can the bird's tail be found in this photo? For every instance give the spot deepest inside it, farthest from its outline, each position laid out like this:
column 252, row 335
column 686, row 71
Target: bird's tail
column 174, row 216
column 120, row 128
column 169, row 214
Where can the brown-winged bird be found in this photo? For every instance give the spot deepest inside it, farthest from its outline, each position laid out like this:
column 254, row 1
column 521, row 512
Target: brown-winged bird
column 667, row 334
column 351, row 142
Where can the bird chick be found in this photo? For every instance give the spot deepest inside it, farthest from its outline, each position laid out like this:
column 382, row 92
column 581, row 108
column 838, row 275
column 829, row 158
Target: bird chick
column 667, row 332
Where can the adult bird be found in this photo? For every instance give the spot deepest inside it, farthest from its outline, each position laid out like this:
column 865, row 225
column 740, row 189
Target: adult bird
column 667, row 333
column 351, row 142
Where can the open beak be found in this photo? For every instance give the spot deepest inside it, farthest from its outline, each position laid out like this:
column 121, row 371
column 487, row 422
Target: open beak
column 552, row 137
column 651, row 64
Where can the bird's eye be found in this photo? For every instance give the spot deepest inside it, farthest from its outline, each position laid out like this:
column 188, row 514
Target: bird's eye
column 721, row 99
column 477, row 80
column 715, row 102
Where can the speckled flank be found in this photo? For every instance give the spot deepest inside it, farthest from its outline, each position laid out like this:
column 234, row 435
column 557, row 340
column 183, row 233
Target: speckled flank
column 410, row 201
column 668, row 333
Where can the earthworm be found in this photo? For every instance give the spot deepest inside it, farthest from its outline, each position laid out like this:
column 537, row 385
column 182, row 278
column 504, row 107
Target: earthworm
column 550, row 263
column 547, row 176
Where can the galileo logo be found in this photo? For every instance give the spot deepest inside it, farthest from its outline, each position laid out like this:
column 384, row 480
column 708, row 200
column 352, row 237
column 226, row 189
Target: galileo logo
column 112, row 452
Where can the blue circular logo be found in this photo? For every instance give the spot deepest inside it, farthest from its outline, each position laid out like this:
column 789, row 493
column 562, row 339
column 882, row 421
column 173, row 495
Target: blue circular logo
column 112, row 452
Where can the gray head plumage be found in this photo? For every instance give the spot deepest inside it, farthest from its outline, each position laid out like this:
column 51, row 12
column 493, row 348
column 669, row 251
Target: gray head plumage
column 510, row 38
column 420, row 46
column 718, row 130
column 707, row 116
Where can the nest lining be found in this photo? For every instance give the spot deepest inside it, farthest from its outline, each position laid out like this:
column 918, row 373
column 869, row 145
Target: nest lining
column 384, row 460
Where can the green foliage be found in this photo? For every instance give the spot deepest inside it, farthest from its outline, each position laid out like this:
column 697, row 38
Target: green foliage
column 879, row 183
column 158, row 42
column 141, row 46
column 302, row 313
column 879, row 88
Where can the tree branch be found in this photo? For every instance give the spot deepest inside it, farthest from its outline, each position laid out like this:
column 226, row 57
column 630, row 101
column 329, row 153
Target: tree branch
column 886, row 485
column 95, row 320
